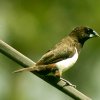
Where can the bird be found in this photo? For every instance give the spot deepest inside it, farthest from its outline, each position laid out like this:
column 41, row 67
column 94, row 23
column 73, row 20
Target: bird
column 64, row 54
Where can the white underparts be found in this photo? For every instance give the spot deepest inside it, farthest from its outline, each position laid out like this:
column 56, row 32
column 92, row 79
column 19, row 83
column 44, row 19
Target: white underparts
column 67, row 63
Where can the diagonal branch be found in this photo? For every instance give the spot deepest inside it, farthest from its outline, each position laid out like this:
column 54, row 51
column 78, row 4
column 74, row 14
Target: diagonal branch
column 25, row 62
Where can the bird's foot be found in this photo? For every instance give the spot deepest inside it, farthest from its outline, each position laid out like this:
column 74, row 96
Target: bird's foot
column 67, row 83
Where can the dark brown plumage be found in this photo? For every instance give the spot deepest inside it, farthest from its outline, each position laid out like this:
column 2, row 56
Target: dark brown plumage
column 66, row 49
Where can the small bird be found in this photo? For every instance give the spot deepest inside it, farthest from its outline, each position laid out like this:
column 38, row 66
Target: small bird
column 64, row 54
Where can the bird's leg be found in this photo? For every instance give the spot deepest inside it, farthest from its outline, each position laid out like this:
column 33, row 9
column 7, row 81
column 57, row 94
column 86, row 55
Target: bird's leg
column 67, row 82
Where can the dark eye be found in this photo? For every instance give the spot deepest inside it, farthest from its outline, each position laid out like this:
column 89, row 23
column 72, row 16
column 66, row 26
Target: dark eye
column 89, row 31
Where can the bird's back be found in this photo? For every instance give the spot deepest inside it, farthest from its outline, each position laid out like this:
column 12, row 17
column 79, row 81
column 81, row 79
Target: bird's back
column 62, row 50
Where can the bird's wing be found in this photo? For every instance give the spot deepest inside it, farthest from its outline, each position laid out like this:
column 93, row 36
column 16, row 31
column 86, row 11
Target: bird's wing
column 57, row 54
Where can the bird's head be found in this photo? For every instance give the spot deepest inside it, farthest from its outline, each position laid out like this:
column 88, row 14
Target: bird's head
column 83, row 33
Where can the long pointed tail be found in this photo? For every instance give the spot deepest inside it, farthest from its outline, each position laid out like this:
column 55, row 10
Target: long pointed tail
column 33, row 68
column 36, row 68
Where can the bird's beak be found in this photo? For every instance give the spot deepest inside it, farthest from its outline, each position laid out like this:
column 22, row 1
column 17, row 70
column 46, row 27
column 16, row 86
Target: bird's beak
column 96, row 34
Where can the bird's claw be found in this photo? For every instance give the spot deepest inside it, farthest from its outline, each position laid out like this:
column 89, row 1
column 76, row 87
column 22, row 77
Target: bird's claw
column 67, row 83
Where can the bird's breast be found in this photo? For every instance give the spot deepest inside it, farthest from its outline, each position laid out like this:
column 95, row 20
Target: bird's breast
column 67, row 63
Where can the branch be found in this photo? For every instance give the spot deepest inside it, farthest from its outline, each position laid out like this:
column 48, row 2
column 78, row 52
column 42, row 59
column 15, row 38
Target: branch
column 25, row 62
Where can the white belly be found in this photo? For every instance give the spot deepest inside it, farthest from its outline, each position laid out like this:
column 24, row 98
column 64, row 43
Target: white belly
column 67, row 63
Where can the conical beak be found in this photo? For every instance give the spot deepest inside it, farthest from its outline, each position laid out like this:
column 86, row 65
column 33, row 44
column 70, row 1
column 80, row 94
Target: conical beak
column 96, row 34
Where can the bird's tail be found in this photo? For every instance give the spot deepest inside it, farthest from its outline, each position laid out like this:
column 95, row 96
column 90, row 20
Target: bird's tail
column 36, row 68
column 32, row 68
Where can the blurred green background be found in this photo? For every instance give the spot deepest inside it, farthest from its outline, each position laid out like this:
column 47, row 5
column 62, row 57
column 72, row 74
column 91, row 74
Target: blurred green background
column 34, row 26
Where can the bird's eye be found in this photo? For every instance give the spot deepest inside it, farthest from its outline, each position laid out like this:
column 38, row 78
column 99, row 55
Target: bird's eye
column 89, row 31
